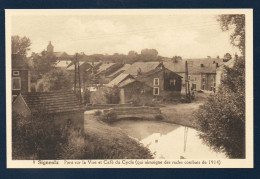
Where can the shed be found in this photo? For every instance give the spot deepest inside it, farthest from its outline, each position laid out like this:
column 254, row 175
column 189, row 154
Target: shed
column 62, row 106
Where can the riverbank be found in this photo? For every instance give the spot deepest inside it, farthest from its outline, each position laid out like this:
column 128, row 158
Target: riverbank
column 183, row 113
column 112, row 143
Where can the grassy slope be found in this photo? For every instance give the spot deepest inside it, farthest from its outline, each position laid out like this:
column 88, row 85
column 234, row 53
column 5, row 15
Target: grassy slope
column 114, row 142
column 182, row 113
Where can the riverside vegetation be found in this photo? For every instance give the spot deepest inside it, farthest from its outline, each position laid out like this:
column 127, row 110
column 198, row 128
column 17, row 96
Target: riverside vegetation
column 37, row 138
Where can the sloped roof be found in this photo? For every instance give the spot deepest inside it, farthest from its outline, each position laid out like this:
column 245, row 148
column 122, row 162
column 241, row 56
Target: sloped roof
column 206, row 68
column 126, row 82
column 72, row 67
column 120, row 70
column 61, row 54
column 63, row 64
column 18, row 62
column 119, row 79
column 104, row 67
column 178, row 67
column 194, row 65
column 52, row 102
column 144, row 66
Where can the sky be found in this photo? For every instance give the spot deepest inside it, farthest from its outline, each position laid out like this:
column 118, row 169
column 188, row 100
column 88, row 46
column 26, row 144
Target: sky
column 188, row 36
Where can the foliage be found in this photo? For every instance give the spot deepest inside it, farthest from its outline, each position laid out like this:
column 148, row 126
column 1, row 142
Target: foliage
column 227, row 56
column 148, row 55
column 158, row 117
column 20, row 45
column 37, row 137
column 131, row 57
column 109, row 117
column 93, row 145
column 42, row 63
column 112, row 95
column 55, row 79
column 236, row 23
column 222, row 118
column 97, row 113
column 176, row 59
column 87, row 95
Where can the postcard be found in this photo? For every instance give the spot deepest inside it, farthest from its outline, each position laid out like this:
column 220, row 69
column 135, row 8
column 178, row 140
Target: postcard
column 129, row 88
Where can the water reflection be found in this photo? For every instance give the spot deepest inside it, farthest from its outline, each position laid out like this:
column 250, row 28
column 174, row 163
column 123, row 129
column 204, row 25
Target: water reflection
column 166, row 140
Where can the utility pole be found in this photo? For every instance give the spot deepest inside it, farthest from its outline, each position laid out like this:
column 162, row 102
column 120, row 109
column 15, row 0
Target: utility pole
column 77, row 83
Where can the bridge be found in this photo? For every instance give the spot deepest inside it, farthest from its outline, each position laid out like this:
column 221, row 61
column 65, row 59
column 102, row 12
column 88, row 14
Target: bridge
column 142, row 112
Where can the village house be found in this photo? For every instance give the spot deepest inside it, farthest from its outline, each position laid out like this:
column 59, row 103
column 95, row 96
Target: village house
column 118, row 72
column 164, row 82
column 21, row 78
column 61, row 106
column 130, row 88
column 105, row 70
column 153, row 74
column 201, row 72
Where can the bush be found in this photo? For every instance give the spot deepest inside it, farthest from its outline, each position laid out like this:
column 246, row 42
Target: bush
column 158, row 117
column 112, row 95
column 97, row 113
column 222, row 118
column 109, row 117
column 37, row 138
column 83, row 145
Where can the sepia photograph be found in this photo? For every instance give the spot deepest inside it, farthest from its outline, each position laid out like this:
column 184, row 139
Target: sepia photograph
column 120, row 85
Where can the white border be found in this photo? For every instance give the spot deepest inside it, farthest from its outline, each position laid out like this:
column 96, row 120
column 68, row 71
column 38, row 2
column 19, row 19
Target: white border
column 227, row 163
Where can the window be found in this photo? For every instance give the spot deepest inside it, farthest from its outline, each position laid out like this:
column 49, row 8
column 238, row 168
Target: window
column 194, row 86
column 189, row 77
column 203, row 87
column 155, row 91
column 203, row 78
column 156, row 81
column 16, row 83
column 16, row 73
column 172, row 82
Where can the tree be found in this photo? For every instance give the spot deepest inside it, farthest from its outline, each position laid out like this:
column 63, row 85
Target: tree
column 227, row 57
column 221, row 119
column 37, row 137
column 42, row 63
column 56, row 79
column 236, row 23
column 176, row 59
column 20, row 45
column 148, row 55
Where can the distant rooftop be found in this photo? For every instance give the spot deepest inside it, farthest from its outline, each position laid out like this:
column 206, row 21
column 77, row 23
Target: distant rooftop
column 142, row 66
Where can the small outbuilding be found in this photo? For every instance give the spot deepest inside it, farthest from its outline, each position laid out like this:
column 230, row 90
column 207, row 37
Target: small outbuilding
column 62, row 106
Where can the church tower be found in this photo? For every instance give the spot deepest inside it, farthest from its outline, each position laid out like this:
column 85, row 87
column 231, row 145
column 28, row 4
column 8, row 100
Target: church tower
column 50, row 48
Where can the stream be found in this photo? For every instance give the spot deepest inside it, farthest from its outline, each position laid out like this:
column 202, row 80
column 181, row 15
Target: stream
column 166, row 140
